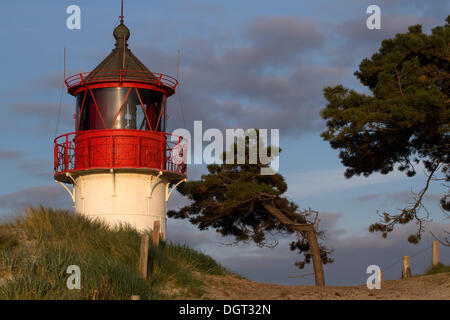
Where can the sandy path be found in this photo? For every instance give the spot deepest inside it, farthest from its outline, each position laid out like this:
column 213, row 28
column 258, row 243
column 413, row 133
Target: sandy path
column 434, row 287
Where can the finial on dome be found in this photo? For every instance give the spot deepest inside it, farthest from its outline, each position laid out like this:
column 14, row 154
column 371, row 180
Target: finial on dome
column 121, row 34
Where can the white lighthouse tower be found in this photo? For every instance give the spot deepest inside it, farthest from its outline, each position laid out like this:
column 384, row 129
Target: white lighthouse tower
column 121, row 163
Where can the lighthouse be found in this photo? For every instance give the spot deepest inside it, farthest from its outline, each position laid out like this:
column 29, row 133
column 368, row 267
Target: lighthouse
column 120, row 165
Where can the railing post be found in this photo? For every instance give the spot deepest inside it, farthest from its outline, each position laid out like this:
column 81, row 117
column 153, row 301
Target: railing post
column 180, row 160
column 139, row 151
column 112, row 151
column 159, row 80
column 66, row 154
column 55, row 155
column 162, row 152
column 88, row 151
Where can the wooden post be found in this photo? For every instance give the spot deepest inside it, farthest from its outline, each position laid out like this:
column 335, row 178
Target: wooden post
column 316, row 258
column 155, row 233
column 143, row 258
column 435, row 259
column 406, row 273
column 135, row 298
column 380, row 276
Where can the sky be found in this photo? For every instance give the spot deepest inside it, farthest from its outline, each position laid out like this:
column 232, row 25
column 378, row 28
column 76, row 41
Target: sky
column 243, row 64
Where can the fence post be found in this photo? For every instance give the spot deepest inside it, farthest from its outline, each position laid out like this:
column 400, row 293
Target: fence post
column 143, row 257
column 406, row 273
column 380, row 276
column 156, row 231
column 435, row 259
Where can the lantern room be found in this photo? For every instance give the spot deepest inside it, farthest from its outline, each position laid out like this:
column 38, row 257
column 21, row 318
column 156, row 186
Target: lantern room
column 121, row 93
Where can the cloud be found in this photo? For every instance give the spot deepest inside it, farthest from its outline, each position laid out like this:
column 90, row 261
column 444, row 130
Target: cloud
column 38, row 167
column 357, row 32
column 48, row 196
column 320, row 182
column 10, row 154
column 203, row 8
column 278, row 40
column 367, row 197
column 329, row 224
column 364, row 43
column 404, row 196
column 263, row 77
column 438, row 9
column 41, row 117
column 52, row 81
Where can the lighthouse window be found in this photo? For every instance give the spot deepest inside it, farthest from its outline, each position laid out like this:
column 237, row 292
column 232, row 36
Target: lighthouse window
column 80, row 97
column 121, row 108
column 153, row 101
column 109, row 101
column 87, row 115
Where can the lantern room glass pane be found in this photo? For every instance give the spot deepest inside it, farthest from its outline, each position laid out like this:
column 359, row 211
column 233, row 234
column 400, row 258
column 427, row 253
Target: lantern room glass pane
column 152, row 101
column 79, row 101
column 109, row 101
column 132, row 115
column 89, row 118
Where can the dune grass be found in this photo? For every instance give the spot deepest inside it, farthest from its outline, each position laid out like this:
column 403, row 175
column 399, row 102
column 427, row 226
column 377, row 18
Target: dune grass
column 37, row 248
column 440, row 268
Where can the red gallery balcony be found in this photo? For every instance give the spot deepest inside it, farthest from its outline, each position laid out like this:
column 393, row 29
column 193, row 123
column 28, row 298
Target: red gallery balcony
column 103, row 150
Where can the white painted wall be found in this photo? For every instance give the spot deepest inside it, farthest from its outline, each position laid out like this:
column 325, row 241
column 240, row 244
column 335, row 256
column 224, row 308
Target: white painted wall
column 136, row 199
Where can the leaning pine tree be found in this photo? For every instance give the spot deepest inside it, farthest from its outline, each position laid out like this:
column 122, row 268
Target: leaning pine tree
column 238, row 201
column 402, row 123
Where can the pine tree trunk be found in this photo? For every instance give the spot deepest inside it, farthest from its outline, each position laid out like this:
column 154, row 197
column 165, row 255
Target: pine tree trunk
column 316, row 259
column 312, row 239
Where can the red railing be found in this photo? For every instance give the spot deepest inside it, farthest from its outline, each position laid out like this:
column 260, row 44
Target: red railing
column 119, row 148
column 157, row 79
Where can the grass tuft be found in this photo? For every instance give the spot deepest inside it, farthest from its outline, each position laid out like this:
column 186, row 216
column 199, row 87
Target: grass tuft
column 440, row 268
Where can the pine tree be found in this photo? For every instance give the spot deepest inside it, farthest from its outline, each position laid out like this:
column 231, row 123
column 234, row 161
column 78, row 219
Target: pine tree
column 404, row 120
column 236, row 200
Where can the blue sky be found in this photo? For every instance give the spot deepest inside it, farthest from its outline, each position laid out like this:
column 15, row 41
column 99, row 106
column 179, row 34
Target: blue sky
column 243, row 64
